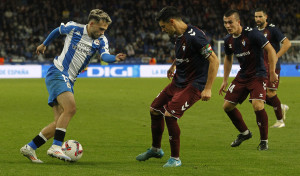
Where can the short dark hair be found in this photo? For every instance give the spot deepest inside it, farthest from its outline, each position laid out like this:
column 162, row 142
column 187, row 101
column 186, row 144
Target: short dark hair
column 231, row 12
column 260, row 9
column 167, row 13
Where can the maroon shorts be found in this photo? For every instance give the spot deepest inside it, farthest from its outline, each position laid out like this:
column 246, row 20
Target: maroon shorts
column 239, row 90
column 176, row 100
column 274, row 86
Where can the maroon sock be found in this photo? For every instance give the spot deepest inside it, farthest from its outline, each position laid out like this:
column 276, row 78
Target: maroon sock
column 157, row 129
column 174, row 135
column 237, row 120
column 262, row 122
column 276, row 104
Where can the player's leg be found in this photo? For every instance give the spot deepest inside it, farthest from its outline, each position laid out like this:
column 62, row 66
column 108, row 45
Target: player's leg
column 181, row 102
column 262, row 122
column 273, row 100
column 46, row 133
column 67, row 101
column 237, row 120
column 236, row 93
column 157, row 129
column 157, row 124
column 257, row 88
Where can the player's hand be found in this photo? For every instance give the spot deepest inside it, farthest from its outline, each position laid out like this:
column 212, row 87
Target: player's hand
column 223, row 88
column 171, row 71
column 206, row 94
column 273, row 77
column 40, row 49
column 120, row 57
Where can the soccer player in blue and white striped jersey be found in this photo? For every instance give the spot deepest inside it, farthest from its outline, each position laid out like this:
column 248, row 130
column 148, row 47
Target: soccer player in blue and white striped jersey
column 82, row 43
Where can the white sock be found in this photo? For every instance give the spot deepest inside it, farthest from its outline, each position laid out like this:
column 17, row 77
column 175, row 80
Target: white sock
column 176, row 158
column 245, row 132
column 280, row 120
column 155, row 149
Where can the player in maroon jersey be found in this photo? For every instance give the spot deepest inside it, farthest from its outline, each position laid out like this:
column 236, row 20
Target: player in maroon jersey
column 247, row 45
column 274, row 35
column 196, row 68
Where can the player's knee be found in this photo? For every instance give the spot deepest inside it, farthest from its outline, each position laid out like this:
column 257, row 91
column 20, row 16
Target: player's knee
column 258, row 105
column 271, row 93
column 228, row 106
column 154, row 112
column 70, row 110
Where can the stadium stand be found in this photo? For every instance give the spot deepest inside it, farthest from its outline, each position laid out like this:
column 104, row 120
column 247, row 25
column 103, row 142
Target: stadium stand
column 24, row 24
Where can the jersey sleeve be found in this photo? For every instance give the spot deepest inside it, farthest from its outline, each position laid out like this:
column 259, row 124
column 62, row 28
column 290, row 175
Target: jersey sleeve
column 104, row 47
column 258, row 38
column 66, row 28
column 277, row 34
column 199, row 40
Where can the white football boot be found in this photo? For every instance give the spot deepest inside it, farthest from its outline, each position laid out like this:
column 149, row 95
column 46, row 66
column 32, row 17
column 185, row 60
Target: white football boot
column 27, row 151
column 56, row 152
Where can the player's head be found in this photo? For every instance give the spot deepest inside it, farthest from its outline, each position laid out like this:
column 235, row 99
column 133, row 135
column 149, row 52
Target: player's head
column 98, row 23
column 260, row 17
column 232, row 22
column 166, row 19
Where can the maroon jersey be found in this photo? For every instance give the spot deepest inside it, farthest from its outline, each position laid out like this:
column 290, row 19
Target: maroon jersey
column 274, row 35
column 248, row 49
column 192, row 50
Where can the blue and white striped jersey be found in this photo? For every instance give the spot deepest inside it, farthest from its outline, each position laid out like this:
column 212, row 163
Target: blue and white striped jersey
column 78, row 49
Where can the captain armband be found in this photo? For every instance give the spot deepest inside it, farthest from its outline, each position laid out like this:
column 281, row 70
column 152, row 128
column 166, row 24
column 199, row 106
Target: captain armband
column 206, row 51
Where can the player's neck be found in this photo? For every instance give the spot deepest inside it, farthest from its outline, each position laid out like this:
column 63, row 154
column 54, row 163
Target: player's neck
column 238, row 32
column 181, row 28
column 88, row 29
column 263, row 26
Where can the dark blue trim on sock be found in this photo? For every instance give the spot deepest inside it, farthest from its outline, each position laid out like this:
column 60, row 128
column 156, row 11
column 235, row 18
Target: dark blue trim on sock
column 32, row 145
column 56, row 142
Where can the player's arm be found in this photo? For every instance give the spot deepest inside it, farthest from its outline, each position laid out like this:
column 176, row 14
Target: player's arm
column 227, row 68
column 171, row 70
column 212, row 73
column 286, row 44
column 42, row 47
column 106, row 56
column 272, row 58
column 113, row 58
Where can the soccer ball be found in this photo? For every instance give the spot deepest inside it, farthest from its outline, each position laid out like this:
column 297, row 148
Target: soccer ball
column 72, row 149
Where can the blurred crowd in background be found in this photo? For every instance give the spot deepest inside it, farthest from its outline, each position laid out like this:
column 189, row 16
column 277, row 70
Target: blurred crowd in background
column 24, row 24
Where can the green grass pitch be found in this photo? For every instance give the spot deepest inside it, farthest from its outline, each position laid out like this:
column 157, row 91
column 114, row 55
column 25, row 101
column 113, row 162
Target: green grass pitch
column 113, row 125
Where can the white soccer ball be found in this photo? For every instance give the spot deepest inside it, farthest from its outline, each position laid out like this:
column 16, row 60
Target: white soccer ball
column 72, row 149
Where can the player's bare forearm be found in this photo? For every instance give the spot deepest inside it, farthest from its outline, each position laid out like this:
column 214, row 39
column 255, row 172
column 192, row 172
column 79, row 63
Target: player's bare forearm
column 272, row 58
column 286, row 44
column 227, row 66
column 212, row 70
column 171, row 70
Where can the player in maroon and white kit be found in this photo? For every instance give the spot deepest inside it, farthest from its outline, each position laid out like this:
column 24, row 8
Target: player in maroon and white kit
column 274, row 35
column 196, row 68
column 247, row 45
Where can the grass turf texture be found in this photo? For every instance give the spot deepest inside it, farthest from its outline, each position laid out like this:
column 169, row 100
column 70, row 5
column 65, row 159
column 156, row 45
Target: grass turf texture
column 113, row 125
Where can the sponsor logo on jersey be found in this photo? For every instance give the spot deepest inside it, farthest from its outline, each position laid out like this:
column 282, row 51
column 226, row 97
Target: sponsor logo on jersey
column 243, row 54
column 182, row 60
column 265, row 34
